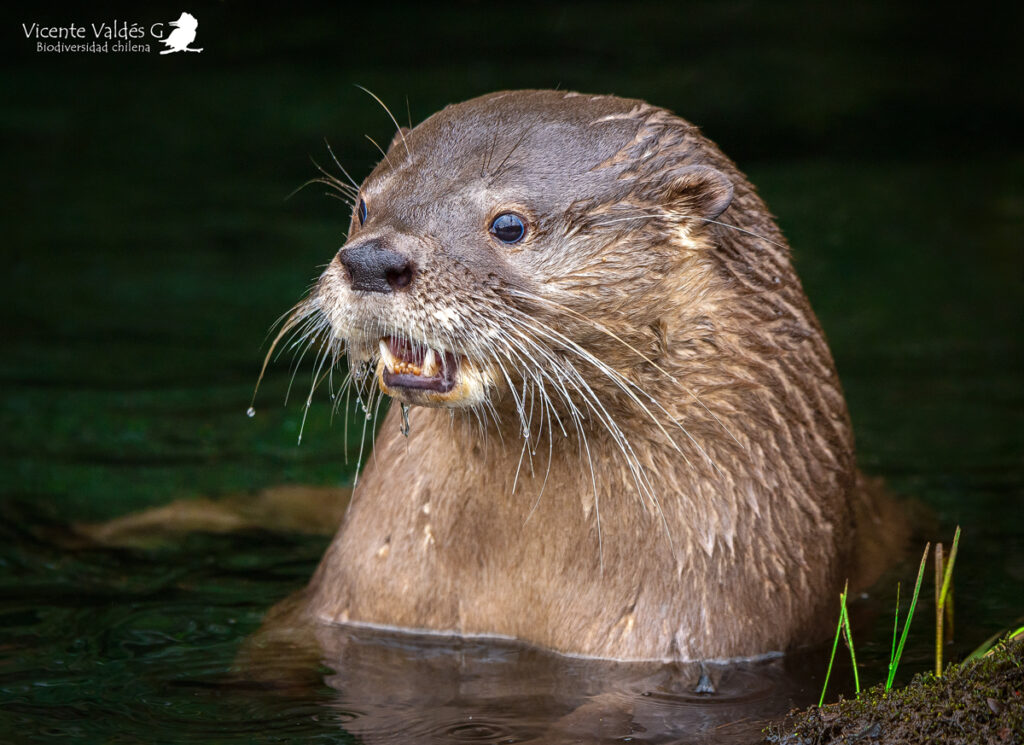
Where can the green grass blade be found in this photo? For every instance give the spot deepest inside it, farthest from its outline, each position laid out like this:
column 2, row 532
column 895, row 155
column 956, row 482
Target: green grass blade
column 845, row 616
column 987, row 645
column 940, row 599
column 895, row 627
column 906, row 623
column 949, row 567
column 939, row 566
column 831, row 659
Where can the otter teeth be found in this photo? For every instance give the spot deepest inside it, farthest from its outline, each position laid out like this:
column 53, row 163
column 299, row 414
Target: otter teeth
column 431, row 366
column 389, row 359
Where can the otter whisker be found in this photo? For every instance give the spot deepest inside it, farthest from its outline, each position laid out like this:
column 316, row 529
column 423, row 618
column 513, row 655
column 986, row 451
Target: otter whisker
column 684, row 217
column 490, row 411
column 604, row 330
column 329, row 179
column 398, row 127
column 485, row 164
column 751, row 233
column 386, row 158
column 585, row 446
column 338, row 188
column 316, row 180
column 522, row 138
column 373, row 419
column 597, row 509
column 304, row 334
column 369, row 401
column 336, row 395
column 625, row 448
column 340, row 166
column 532, row 364
column 341, row 199
column 596, row 325
column 300, row 312
column 532, row 386
column 608, row 422
column 519, row 465
column 317, row 379
column 551, row 449
column 312, row 334
column 627, row 387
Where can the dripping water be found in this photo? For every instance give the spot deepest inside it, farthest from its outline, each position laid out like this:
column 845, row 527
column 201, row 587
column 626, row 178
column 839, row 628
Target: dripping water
column 404, row 427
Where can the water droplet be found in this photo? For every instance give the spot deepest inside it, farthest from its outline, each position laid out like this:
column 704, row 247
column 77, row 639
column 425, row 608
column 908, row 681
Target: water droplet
column 526, row 433
column 369, row 416
column 250, row 412
column 404, row 427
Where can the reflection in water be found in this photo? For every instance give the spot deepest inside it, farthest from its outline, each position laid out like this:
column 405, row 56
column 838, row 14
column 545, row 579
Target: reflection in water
column 165, row 645
column 101, row 644
column 398, row 688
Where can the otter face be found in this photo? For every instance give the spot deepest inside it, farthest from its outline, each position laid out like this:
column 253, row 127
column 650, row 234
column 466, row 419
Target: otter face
column 475, row 260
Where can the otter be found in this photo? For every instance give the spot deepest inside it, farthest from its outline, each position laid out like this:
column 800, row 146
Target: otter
column 620, row 431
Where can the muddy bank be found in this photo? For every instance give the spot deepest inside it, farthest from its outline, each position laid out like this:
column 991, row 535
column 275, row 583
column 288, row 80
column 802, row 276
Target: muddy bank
column 979, row 702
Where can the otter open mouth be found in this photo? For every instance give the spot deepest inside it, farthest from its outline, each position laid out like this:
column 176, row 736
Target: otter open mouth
column 411, row 366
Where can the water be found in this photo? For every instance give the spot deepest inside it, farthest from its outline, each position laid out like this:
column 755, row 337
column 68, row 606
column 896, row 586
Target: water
column 149, row 248
column 404, row 427
column 105, row 645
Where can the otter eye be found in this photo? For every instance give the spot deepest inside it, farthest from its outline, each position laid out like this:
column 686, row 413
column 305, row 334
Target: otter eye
column 508, row 227
column 362, row 212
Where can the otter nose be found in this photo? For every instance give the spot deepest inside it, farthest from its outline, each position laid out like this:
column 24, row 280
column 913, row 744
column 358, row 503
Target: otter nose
column 373, row 267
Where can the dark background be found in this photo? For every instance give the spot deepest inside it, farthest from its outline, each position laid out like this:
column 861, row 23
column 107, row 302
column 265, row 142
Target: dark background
column 148, row 243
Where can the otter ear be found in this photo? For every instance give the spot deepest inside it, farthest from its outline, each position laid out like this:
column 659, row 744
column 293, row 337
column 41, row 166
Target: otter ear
column 399, row 136
column 699, row 191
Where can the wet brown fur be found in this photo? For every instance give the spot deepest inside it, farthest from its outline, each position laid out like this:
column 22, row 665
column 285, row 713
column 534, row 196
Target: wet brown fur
column 744, row 536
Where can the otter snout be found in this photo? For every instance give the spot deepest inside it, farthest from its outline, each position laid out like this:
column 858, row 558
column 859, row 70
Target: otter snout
column 373, row 267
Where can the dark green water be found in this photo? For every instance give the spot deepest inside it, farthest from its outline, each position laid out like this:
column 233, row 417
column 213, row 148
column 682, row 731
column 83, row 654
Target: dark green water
column 148, row 247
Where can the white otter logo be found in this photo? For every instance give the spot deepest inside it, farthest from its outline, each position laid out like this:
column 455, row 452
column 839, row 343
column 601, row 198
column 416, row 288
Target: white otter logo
column 183, row 35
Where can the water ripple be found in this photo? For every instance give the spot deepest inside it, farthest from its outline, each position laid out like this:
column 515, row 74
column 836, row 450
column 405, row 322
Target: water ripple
column 98, row 645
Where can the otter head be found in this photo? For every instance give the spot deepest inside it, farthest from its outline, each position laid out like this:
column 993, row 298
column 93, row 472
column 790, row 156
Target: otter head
column 520, row 239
